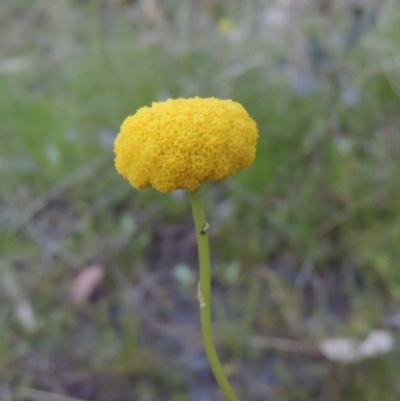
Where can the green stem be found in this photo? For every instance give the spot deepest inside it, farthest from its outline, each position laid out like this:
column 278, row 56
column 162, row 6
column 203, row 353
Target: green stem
column 204, row 295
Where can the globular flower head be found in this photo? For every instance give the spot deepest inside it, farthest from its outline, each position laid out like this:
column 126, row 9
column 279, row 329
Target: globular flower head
column 181, row 143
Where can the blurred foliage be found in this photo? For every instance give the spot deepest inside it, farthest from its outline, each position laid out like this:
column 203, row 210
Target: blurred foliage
column 318, row 210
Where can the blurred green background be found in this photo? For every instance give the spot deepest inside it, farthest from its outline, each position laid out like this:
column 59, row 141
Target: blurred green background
column 98, row 280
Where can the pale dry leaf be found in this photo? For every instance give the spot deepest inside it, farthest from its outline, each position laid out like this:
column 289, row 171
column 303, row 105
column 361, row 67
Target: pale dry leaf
column 25, row 316
column 378, row 342
column 341, row 349
column 86, row 283
column 350, row 350
column 15, row 65
column 24, row 313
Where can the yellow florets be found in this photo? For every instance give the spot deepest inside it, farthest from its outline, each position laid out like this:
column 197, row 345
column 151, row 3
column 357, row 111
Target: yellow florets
column 225, row 25
column 180, row 143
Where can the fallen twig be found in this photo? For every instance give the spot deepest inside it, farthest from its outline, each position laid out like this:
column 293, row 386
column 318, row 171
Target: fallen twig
column 283, row 344
column 39, row 395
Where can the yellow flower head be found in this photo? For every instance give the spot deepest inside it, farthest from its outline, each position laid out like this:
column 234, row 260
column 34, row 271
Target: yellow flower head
column 180, row 143
column 225, row 25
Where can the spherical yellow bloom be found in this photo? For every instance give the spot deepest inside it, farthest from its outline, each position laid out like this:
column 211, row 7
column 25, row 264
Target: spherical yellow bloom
column 180, row 143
